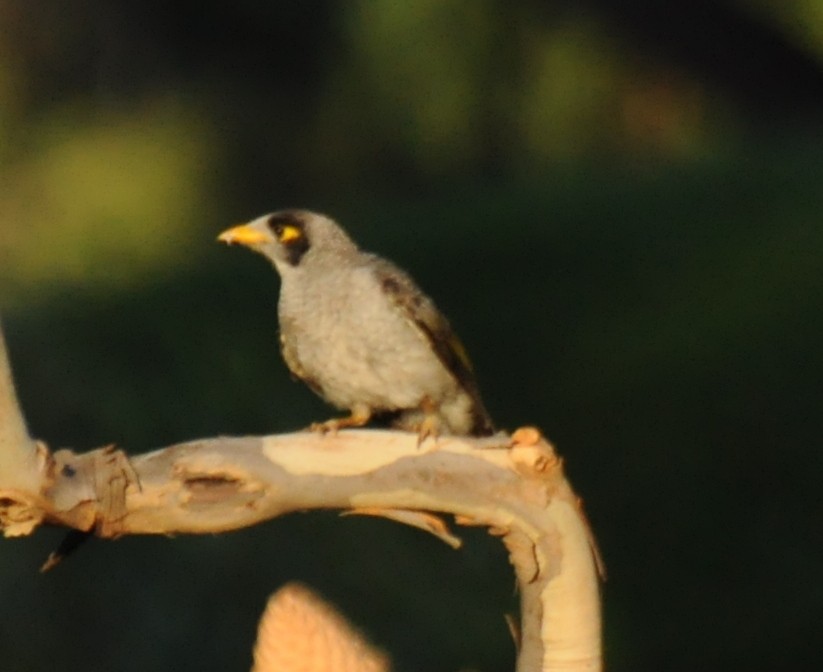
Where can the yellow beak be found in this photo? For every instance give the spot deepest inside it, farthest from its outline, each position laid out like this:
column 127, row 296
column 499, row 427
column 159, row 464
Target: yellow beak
column 243, row 235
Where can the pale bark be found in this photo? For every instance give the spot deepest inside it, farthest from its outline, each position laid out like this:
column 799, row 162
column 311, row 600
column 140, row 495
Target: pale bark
column 18, row 452
column 515, row 486
column 22, row 460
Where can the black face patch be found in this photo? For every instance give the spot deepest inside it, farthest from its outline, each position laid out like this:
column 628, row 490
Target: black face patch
column 290, row 231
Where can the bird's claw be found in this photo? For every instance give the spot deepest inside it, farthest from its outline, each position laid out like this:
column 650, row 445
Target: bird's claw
column 332, row 426
column 429, row 428
column 327, row 427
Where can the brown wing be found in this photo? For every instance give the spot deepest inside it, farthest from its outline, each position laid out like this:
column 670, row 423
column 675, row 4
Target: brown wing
column 421, row 312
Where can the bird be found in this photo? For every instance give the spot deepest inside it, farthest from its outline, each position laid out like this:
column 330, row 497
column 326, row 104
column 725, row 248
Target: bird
column 360, row 333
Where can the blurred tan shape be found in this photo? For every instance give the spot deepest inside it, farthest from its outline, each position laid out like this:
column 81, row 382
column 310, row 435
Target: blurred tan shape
column 299, row 632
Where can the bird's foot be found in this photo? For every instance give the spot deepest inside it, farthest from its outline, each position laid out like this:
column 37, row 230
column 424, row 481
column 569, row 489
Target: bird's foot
column 430, row 424
column 429, row 428
column 358, row 418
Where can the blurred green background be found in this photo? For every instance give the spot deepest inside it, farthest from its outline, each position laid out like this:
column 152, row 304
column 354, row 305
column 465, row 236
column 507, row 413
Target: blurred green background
column 618, row 203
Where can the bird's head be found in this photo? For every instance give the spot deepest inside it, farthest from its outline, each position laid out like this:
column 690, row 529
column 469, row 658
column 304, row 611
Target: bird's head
column 289, row 237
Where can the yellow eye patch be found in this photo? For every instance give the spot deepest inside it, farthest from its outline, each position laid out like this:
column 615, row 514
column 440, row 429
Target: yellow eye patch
column 289, row 233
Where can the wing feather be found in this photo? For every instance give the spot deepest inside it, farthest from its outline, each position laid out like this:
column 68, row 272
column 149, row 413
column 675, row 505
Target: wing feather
column 424, row 316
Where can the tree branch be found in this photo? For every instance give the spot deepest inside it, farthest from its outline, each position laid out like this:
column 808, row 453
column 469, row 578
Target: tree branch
column 516, row 488
column 21, row 458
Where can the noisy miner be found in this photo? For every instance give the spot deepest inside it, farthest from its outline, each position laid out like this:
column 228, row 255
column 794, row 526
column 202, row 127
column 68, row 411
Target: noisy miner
column 360, row 333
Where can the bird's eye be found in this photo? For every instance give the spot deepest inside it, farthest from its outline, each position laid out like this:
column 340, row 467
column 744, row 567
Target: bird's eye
column 286, row 233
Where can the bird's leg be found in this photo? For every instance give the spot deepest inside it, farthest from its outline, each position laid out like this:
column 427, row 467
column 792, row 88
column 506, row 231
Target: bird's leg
column 359, row 416
column 430, row 425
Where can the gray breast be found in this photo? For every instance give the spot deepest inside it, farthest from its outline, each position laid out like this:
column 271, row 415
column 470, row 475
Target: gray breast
column 354, row 344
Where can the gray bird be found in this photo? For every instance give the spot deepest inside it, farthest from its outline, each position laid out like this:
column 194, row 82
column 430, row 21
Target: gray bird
column 360, row 333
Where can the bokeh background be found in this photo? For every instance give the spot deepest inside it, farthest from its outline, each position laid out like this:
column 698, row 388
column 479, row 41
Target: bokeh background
column 617, row 202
